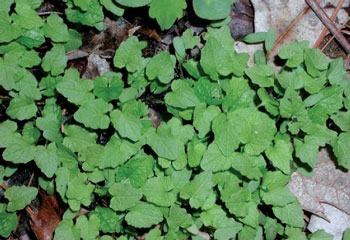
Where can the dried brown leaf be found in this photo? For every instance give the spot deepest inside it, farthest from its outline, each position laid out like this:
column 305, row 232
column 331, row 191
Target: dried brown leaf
column 329, row 185
column 46, row 218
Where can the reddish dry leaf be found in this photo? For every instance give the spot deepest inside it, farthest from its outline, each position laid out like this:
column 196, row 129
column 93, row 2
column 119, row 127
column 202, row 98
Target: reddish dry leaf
column 329, row 185
column 46, row 218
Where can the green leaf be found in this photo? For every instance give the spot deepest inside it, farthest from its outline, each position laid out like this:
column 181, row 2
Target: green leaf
column 236, row 199
column 226, row 134
column 336, row 72
column 346, row 234
column 26, row 17
column 64, row 230
column 293, row 52
column 166, row 12
column 239, row 95
column 213, row 159
column 21, row 152
column 50, row 122
column 342, row 120
column 32, row 38
column 203, row 117
column 190, row 41
column 108, row 87
column 78, row 138
column 93, row 16
column 19, row 197
column 21, row 108
column 113, row 7
column 30, row 131
column 292, row 106
column 55, row 60
column 8, row 223
column 321, row 134
column 154, row 234
column 78, row 189
column 270, row 104
column 129, row 54
column 208, row 92
column 124, row 195
column 340, row 149
column 93, row 114
column 157, row 190
column 226, row 228
column 315, row 61
column 89, row 229
column 330, row 103
column 321, row 235
column 8, row 30
column 294, row 78
column 133, row 3
column 280, row 156
column 137, row 170
column 182, row 95
column 248, row 165
column 34, row 4
column 212, row 9
column 257, row 132
column 215, row 59
column 198, row 189
column 6, row 5
column 178, row 217
column 261, row 75
column 74, row 40
column 82, row 4
column 109, row 220
column 56, row 29
column 280, row 196
column 274, row 180
column 163, row 142
column 307, row 152
column 8, row 133
column 117, row 151
column 127, row 124
column 47, row 159
column 255, row 37
column 252, row 218
column 291, row 214
column 144, row 215
column 295, row 233
column 165, row 73
column 75, row 89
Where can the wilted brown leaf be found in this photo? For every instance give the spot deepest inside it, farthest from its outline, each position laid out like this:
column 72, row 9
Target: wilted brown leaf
column 329, row 185
column 46, row 218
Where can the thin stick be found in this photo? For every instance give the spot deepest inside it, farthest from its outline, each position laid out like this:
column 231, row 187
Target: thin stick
column 329, row 24
column 325, row 30
column 331, row 39
column 291, row 25
column 48, row 13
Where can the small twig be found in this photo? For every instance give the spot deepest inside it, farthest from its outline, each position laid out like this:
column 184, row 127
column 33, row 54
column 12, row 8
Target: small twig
column 30, row 180
column 5, row 97
column 325, row 30
column 291, row 25
column 48, row 13
column 329, row 24
column 331, row 39
column 62, row 123
column 4, row 186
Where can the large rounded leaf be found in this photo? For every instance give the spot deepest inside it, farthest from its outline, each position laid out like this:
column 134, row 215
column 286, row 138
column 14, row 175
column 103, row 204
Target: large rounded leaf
column 133, row 3
column 212, row 9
